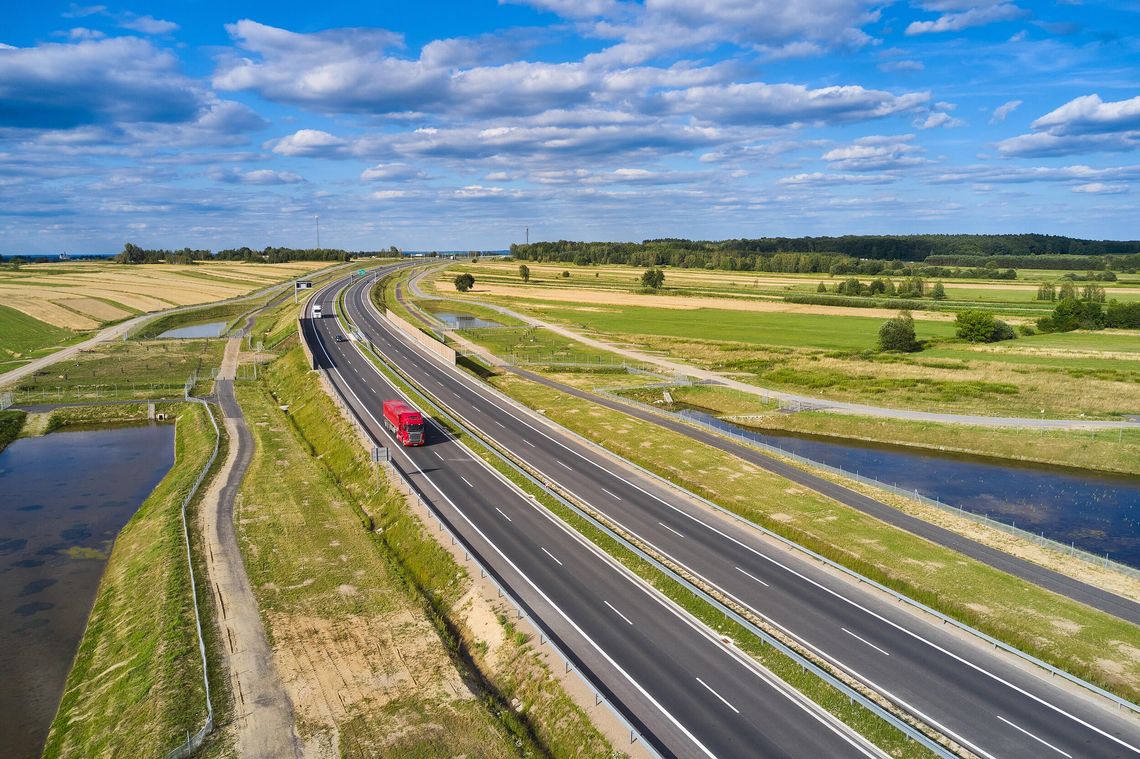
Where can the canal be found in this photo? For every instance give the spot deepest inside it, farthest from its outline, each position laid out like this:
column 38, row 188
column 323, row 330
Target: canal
column 1094, row 511
column 63, row 499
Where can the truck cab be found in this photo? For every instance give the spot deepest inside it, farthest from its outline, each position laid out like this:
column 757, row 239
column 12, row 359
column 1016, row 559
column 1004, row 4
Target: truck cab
column 404, row 423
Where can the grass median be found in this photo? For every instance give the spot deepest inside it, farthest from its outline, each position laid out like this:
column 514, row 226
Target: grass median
column 340, row 556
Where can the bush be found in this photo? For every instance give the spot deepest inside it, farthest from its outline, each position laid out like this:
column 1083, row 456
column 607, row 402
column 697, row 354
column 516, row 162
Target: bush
column 1123, row 315
column 653, row 278
column 1072, row 314
column 1027, row 330
column 822, row 288
column 566, row 275
column 938, row 292
column 524, row 272
column 464, row 282
column 897, row 334
column 981, row 327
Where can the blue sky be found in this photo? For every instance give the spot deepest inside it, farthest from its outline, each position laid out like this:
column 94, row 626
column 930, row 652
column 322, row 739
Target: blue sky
column 456, row 125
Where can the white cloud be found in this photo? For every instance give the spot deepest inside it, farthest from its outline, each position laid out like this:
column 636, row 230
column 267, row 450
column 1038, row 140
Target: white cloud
column 938, row 119
column 1004, row 110
column 822, row 179
column 1100, row 188
column 148, row 24
column 986, row 13
column 310, row 143
column 256, row 177
column 391, row 172
column 761, row 103
column 901, row 65
column 876, row 153
column 1084, row 124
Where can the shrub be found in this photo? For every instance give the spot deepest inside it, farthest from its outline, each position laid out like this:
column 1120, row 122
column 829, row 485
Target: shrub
column 1027, row 330
column 1072, row 314
column 938, row 292
column 981, row 327
column 524, row 272
column 464, row 282
column 1123, row 315
column 566, row 275
column 822, row 288
column 653, row 278
column 897, row 334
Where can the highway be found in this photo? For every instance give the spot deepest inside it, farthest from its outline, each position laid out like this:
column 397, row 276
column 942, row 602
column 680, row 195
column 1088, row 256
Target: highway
column 687, row 693
column 988, row 703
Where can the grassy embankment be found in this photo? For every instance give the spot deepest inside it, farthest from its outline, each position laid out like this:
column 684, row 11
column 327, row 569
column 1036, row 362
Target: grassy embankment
column 1108, row 450
column 1086, row 642
column 11, row 422
column 135, row 686
column 226, row 312
column 320, row 573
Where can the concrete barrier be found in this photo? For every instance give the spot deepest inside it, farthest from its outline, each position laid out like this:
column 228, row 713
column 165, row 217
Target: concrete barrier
column 435, row 346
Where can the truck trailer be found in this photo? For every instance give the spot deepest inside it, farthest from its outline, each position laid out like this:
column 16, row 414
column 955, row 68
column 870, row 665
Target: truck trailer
column 404, row 422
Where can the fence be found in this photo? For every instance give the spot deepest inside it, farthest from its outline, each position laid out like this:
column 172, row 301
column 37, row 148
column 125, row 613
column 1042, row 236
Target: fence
column 5, row 400
column 194, row 742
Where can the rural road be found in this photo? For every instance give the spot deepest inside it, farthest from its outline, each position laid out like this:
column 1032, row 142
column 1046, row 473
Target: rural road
column 263, row 715
column 986, row 700
column 806, row 402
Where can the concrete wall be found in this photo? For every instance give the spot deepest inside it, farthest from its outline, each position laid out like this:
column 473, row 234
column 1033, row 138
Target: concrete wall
column 433, row 345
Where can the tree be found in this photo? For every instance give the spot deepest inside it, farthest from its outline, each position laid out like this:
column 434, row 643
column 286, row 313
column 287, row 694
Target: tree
column 1046, row 291
column 1068, row 291
column 897, row 334
column 566, row 275
column 1092, row 293
column 1072, row 314
column 464, row 282
column 131, row 254
column 977, row 326
column 653, row 278
column 938, row 292
column 822, row 288
column 524, row 272
column 394, row 251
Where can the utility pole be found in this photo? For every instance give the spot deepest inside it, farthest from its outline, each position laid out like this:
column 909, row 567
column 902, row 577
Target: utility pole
column 528, row 235
column 318, row 231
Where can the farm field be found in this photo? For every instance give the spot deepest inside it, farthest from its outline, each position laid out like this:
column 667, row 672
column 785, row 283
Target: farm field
column 829, row 351
column 85, row 295
column 23, row 338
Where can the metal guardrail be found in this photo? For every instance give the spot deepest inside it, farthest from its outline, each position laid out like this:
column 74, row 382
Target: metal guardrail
column 806, row 664
column 1054, row 671
column 5, row 400
column 193, row 742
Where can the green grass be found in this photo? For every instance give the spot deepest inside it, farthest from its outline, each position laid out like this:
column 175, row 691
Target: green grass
column 135, row 686
column 758, row 328
column 221, row 313
column 23, row 338
column 11, row 422
column 123, row 369
column 402, row 553
column 1086, row 642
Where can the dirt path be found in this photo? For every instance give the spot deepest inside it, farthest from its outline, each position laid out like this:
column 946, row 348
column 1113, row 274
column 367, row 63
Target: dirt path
column 263, row 715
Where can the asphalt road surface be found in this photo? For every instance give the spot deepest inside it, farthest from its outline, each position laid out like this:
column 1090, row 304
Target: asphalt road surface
column 987, row 703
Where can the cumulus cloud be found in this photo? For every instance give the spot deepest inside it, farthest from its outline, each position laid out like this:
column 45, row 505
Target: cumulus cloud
column 311, row 143
column 392, row 172
column 1100, row 188
column 256, row 177
column 148, row 24
column 1004, row 110
column 937, row 119
column 1084, row 124
column 760, row 103
column 1024, row 174
column 876, row 153
column 979, row 15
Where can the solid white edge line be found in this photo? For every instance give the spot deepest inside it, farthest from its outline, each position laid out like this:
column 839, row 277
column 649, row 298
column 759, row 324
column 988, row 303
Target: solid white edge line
column 607, row 603
column 617, row 667
column 670, row 529
column 548, row 553
column 722, row 698
column 611, row 493
column 504, row 514
column 813, row 710
column 864, row 640
column 1034, row 737
column 915, row 635
column 467, row 481
column 754, row 577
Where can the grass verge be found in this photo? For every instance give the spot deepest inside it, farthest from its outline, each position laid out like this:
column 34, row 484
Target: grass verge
column 135, row 686
column 11, row 422
column 405, row 568
column 1084, row 641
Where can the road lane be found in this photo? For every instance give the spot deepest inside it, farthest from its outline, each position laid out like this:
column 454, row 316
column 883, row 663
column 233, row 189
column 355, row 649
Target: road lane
column 931, row 673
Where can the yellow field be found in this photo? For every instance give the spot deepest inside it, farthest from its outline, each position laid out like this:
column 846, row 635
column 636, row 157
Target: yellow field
column 84, row 295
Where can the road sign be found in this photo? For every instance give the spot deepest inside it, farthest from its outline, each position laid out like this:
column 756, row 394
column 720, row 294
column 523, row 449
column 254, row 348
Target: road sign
column 360, row 272
column 304, row 284
column 379, row 454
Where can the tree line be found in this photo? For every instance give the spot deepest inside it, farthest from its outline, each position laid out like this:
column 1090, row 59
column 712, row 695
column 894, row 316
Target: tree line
column 819, row 254
column 133, row 254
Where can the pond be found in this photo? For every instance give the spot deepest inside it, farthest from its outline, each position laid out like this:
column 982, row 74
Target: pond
column 63, row 499
column 1094, row 511
column 212, row 329
column 457, row 320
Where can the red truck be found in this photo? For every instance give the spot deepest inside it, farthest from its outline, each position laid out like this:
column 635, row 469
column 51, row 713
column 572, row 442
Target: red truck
column 404, row 422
